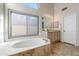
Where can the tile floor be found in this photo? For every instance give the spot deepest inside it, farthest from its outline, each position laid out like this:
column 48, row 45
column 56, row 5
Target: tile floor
column 64, row 49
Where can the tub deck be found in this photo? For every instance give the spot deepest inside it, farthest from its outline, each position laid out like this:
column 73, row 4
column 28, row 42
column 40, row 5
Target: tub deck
column 8, row 49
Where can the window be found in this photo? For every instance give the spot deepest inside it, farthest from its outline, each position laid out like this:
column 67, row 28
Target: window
column 32, row 25
column 31, row 5
column 21, row 24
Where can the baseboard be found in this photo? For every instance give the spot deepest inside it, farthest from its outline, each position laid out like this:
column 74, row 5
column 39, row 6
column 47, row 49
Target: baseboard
column 69, row 43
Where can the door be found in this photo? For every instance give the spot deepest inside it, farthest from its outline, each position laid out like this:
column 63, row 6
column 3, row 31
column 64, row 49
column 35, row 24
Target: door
column 69, row 28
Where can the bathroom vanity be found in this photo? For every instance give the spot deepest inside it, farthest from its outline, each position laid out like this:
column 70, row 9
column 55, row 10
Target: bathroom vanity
column 54, row 36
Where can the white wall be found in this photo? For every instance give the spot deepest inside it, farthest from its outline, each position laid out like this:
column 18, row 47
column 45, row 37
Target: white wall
column 58, row 14
column 57, row 10
column 45, row 10
column 1, row 23
column 77, row 35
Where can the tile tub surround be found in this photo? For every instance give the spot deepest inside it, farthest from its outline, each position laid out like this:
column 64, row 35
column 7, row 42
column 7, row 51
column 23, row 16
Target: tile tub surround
column 7, row 49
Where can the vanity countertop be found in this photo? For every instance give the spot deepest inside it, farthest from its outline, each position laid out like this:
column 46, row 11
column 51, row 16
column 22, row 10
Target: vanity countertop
column 6, row 48
column 54, row 31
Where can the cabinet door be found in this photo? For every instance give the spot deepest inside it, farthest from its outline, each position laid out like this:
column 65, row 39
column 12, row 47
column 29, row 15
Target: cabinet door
column 49, row 36
column 54, row 36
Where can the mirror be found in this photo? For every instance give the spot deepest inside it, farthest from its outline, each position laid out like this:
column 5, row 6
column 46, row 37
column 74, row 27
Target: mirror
column 45, row 23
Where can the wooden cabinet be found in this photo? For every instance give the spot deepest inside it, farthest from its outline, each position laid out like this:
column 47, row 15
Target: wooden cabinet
column 40, row 51
column 54, row 36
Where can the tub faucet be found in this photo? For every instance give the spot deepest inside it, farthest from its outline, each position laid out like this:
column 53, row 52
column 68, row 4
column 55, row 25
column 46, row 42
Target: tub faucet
column 45, row 40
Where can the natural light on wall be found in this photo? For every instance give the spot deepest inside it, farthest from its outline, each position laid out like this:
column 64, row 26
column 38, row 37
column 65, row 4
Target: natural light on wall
column 1, row 27
column 31, row 5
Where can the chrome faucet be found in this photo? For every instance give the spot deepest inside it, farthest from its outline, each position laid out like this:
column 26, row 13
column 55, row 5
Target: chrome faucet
column 45, row 40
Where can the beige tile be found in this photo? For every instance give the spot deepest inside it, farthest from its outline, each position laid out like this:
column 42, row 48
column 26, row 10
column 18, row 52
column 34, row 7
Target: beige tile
column 64, row 49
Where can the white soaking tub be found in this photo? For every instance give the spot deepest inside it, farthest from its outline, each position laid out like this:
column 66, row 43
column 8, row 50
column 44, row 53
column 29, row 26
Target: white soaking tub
column 16, row 46
column 30, row 43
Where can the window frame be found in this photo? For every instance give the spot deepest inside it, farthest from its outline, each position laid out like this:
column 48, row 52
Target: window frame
column 10, row 24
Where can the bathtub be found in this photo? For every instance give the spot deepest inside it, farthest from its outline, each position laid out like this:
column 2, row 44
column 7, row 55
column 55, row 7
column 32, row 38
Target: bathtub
column 30, row 43
column 17, row 46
